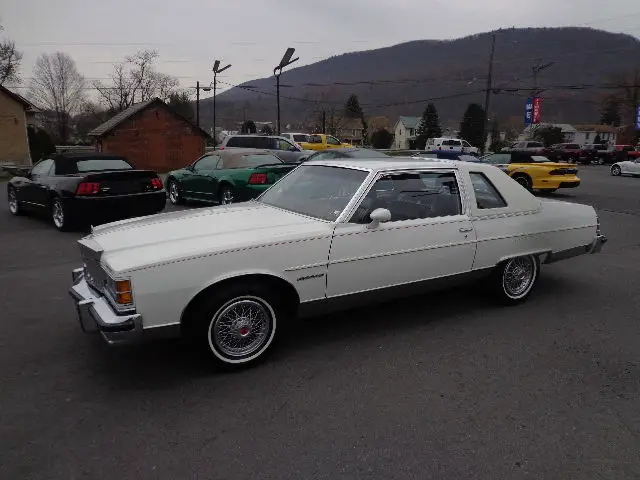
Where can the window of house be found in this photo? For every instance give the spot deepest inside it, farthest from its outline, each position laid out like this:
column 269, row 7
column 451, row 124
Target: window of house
column 487, row 195
column 411, row 132
column 411, row 196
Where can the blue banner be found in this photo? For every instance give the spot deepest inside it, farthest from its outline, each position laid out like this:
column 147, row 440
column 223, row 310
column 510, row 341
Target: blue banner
column 638, row 118
column 528, row 112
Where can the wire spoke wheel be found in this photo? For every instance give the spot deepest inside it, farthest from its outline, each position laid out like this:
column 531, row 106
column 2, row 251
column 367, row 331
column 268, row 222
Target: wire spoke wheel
column 241, row 328
column 518, row 276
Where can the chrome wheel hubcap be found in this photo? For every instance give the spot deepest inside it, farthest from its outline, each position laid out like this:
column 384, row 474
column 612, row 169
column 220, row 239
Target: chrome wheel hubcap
column 523, row 182
column 58, row 214
column 173, row 192
column 518, row 276
column 241, row 327
column 616, row 170
column 13, row 202
column 227, row 196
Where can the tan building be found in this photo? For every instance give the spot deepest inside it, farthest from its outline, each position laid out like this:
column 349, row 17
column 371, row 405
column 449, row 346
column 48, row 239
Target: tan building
column 16, row 113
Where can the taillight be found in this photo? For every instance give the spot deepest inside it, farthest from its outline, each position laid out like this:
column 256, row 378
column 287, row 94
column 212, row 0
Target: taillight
column 258, row 179
column 88, row 188
column 156, row 183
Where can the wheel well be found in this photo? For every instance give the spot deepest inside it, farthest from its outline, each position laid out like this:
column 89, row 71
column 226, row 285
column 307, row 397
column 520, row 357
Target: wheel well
column 290, row 296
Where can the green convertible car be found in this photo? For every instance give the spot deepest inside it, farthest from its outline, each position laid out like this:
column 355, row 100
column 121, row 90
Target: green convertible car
column 226, row 176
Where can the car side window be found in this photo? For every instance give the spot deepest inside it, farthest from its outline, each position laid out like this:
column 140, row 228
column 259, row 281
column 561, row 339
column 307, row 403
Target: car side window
column 315, row 139
column 234, row 142
column 284, row 145
column 487, row 195
column 42, row 168
column 332, row 140
column 411, row 196
column 208, row 162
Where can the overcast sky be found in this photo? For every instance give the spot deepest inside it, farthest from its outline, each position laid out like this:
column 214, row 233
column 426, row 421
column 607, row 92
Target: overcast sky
column 252, row 35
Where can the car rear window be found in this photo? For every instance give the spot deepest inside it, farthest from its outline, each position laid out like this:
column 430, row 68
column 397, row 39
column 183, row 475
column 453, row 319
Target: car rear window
column 99, row 164
column 573, row 146
column 250, row 160
column 239, row 142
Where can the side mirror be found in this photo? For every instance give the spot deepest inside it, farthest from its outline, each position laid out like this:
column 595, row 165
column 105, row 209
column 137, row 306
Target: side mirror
column 189, row 167
column 378, row 216
column 293, row 149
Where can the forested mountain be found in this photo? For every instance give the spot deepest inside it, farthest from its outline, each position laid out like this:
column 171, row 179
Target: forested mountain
column 401, row 79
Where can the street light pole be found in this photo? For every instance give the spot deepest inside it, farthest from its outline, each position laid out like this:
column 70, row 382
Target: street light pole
column 216, row 71
column 277, row 71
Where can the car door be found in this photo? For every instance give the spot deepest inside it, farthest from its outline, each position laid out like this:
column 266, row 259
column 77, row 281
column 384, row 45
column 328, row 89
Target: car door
column 36, row 192
column 201, row 179
column 429, row 235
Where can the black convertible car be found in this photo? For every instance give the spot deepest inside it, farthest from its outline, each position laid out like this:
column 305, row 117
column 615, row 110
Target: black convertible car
column 85, row 188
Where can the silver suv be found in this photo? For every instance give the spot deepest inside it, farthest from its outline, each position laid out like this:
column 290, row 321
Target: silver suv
column 282, row 147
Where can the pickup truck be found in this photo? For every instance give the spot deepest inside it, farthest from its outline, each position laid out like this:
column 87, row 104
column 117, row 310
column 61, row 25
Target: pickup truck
column 320, row 141
column 632, row 153
column 565, row 152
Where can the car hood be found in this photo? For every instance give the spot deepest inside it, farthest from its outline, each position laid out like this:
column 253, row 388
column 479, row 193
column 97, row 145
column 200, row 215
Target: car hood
column 138, row 242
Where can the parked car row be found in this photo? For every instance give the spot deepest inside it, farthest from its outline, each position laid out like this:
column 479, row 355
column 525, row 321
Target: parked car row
column 598, row 154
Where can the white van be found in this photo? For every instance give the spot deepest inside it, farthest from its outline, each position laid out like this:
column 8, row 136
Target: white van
column 450, row 144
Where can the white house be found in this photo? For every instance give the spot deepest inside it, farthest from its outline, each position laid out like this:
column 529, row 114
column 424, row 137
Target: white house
column 580, row 134
column 568, row 131
column 587, row 133
column 405, row 130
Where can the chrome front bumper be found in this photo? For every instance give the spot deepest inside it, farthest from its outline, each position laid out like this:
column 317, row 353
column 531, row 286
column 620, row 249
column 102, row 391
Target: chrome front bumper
column 94, row 313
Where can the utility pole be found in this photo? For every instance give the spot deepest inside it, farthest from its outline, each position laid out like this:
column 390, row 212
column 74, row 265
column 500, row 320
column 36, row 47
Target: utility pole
column 537, row 68
column 487, row 98
column 198, row 103
column 324, row 121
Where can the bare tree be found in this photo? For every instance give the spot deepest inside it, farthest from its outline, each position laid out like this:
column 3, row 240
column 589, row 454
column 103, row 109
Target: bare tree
column 10, row 60
column 59, row 87
column 135, row 80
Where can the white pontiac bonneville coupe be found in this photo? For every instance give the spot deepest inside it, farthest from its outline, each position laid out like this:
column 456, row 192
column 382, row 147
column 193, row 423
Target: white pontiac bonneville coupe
column 227, row 276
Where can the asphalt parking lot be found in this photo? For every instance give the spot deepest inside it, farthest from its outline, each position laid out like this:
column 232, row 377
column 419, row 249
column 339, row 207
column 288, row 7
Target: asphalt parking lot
column 444, row 386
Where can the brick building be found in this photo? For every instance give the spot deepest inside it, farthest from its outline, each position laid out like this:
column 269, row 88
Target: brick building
column 16, row 114
column 152, row 136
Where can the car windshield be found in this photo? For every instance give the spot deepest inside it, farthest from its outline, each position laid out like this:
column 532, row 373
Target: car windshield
column 315, row 190
column 98, row 164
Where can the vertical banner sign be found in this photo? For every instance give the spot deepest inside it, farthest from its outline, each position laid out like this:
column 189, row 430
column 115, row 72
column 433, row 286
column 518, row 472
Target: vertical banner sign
column 537, row 114
column 638, row 117
column 528, row 111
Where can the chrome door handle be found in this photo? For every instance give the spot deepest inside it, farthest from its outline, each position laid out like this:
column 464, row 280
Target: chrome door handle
column 466, row 229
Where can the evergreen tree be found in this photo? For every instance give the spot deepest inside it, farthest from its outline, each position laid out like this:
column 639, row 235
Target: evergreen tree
column 472, row 125
column 429, row 126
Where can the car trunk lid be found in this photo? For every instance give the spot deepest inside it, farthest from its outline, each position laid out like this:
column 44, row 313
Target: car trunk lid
column 125, row 182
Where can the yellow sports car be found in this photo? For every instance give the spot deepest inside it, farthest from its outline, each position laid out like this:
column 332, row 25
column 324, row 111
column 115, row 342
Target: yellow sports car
column 535, row 172
column 320, row 141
